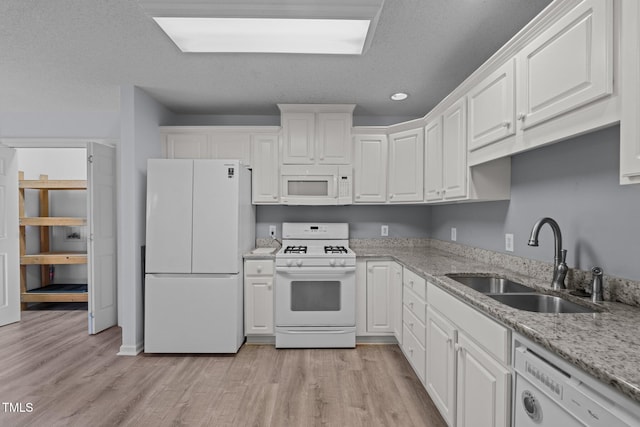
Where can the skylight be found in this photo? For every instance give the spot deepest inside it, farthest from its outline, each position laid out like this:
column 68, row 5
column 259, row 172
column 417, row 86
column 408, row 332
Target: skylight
column 267, row 35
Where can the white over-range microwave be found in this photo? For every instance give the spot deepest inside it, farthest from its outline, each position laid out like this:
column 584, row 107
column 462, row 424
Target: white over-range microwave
column 316, row 184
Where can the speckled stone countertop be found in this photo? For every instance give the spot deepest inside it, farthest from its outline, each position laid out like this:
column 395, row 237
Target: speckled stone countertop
column 605, row 344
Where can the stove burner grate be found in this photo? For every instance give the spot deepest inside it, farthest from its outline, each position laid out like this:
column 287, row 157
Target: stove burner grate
column 295, row 250
column 335, row 250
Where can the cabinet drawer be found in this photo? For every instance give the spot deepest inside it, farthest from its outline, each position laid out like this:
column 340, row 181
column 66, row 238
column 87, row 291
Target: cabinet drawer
column 258, row 267
column 414, row 325
column 493, row 337
column 414, row 352
column 415, row 304
column 415, row 283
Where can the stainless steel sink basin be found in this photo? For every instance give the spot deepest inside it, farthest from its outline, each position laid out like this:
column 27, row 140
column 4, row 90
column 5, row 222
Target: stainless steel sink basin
column 540, row 303
column 491, row 285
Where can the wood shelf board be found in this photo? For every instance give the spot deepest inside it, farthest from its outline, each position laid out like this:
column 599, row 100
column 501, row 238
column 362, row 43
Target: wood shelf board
column 54, row 258
column 53, row 221
column 55, row 297
column 54, row 184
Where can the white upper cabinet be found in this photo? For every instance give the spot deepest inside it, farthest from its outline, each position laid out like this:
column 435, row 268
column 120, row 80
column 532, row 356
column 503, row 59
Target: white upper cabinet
column 433, row 160
column 370, row 168
column 406, row 179
column 334, row 138
column 265, row 174
column 316, row 133
column 183, row 145
column 491, row 106
column 231, row 145
column 629, row 123
column 569, row 65
column 454, row 151
column 298, row 138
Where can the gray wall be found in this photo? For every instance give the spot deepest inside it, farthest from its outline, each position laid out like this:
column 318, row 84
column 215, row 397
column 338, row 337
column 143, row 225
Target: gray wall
column 576, row 183
column 85, row 124
column 140, row 136
column 364, row 221
column 231, row 120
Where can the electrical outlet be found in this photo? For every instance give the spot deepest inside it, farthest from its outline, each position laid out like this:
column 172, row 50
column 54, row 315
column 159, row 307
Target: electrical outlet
column 272, row 231
column 454, row 234
column 384, row 230
column 508, row 242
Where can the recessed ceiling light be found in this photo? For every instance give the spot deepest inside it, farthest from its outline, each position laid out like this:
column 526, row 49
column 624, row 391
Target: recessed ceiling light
column 400, row 96
column 267, row 35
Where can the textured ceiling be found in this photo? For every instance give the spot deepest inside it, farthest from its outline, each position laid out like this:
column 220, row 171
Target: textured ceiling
column 72, row 55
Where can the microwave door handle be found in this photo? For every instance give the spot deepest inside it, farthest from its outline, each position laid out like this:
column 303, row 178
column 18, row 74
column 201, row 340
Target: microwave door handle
column 335, row 186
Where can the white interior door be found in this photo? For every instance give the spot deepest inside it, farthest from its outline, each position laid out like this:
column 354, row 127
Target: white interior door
column 9, row 262
column 101, row 245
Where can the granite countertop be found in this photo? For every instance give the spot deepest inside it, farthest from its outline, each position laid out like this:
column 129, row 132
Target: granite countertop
column 261, row 253
column 605, row 344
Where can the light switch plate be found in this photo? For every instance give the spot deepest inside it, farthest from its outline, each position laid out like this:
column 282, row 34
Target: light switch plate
column 508, row 242
column 384, row 230
column 454, row 234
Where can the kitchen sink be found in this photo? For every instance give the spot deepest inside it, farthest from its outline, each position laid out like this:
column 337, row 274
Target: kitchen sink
column 540, row 303
column 491, row 284
column 517, row 295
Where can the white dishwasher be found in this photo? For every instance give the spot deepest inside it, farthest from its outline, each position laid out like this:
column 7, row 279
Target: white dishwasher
column 550, row 392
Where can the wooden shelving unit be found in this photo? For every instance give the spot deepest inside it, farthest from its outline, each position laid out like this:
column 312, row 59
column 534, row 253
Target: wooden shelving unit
column 45, row 258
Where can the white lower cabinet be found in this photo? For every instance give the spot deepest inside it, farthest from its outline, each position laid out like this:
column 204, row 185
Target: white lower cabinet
column 483, row 387
column 379, row 308
column 379, row 301
column 258, row 297
column 467, row 378
column 441, row 366
column 413, row 321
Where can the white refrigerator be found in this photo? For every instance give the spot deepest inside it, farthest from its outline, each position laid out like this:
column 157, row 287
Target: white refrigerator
column 199, row 223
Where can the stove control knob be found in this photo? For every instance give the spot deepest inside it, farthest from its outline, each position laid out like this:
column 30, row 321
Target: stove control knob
column 332, row 262
column 343, row 263
column 299, row 262
column 289, row 262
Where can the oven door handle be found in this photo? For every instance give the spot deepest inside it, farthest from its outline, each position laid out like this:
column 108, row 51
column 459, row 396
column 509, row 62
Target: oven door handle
column 317, row 270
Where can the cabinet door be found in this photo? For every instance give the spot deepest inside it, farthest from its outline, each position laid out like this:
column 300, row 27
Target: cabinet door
column 258, row 305
column 406, row 157
column 370, row 168
column 298, row 138
column 264, row 178
column 568, row 65
column 492, row 107
column 483, row 388
column 454, row 151
column 235, row 146
column 379, row 316
column 396, row 302
column 433, row 160
column 440, row 369
column 630, row 109
column 186, row 146
column 334, row 138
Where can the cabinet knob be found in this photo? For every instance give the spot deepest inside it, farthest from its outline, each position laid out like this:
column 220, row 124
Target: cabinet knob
column 391, row 196
column 275, row 197
column 269, row 287
column 449, row 341
column 411, row 283
column 411, row 325
column 506, row 125
column 522, row 116
column 357, row 196
column 411, row 305
column 259, row 269
column 457, row 347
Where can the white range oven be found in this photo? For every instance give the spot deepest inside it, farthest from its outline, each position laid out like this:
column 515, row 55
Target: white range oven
column 315, row 291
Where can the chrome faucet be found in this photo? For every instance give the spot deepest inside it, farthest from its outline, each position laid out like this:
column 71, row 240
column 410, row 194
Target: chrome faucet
column 560, row 255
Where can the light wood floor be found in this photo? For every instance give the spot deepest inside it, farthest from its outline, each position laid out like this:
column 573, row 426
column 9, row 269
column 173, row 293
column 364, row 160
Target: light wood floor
column 73, row 379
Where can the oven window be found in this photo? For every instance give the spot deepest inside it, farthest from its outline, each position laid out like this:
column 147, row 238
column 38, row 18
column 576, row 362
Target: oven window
column 308, row 188
column 312, row 295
